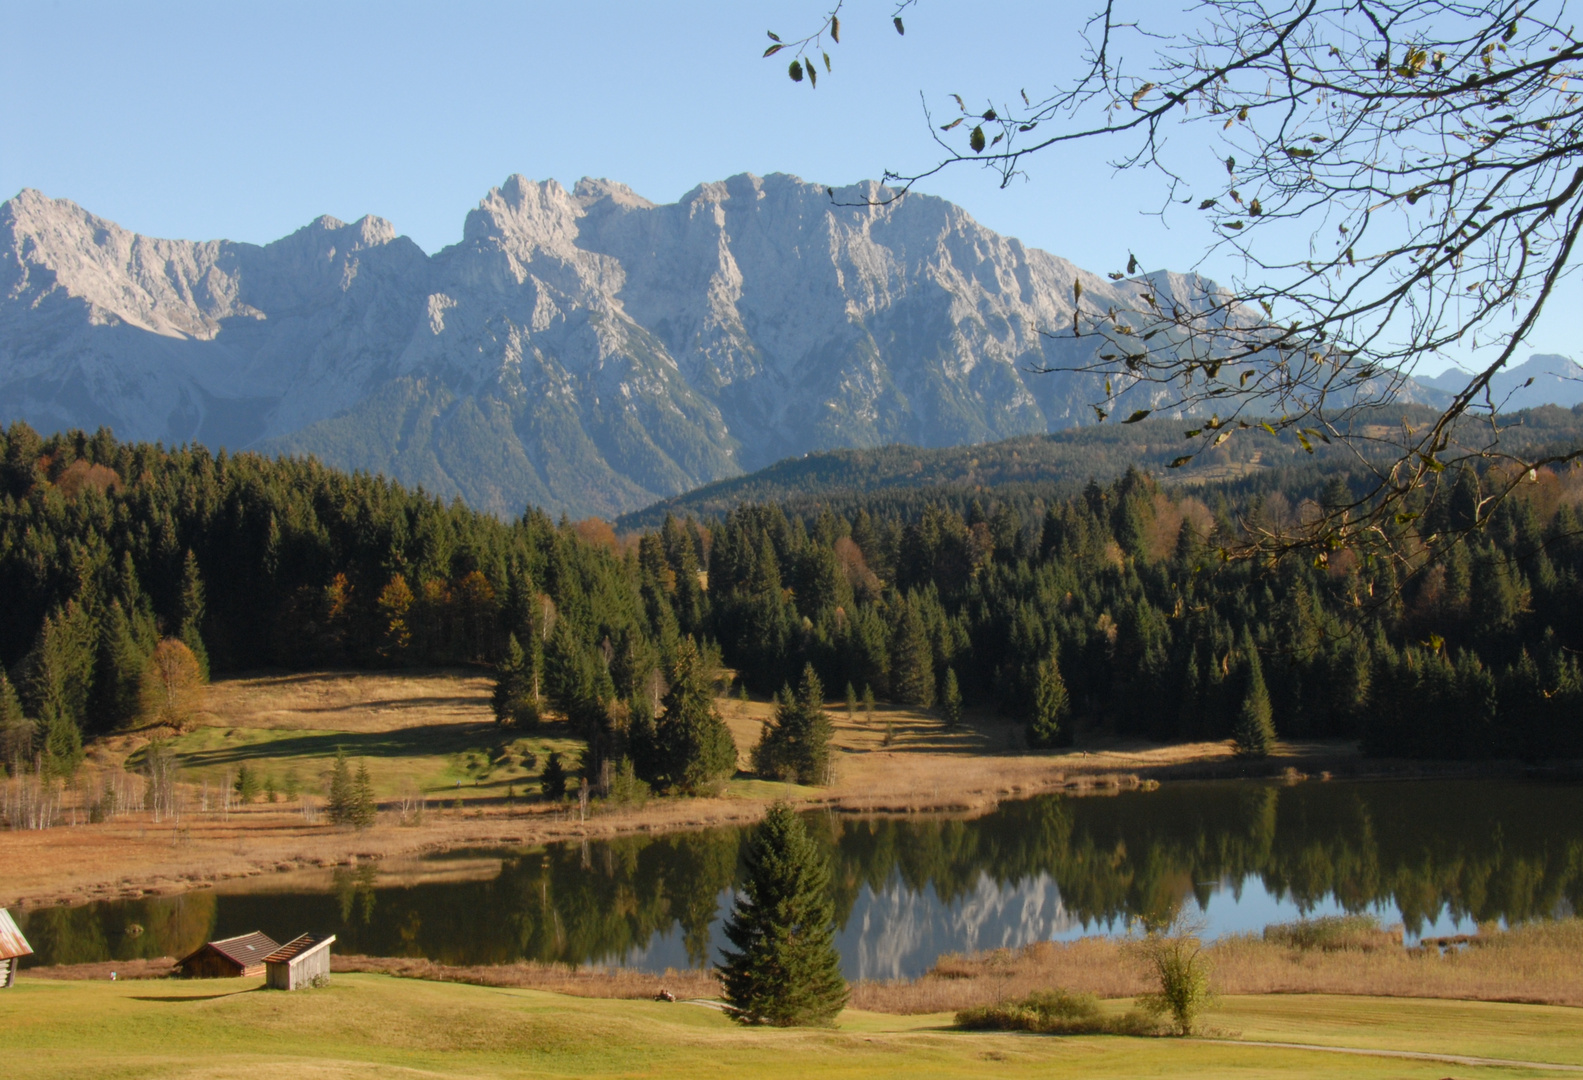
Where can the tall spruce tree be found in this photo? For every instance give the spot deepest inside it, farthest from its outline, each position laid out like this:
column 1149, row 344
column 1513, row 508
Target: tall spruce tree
column 795, row 744
column 341, row 790
column 1048, row 725
column 784, row 969
column 951, row 700
column 692, row 745
column 16, row 730
column 1254, row 733
column 192, row 613
column 63, row 751
column 118, row 674
column 513, row 699
column 912, row 659
column 364, row 810
column 60, row 668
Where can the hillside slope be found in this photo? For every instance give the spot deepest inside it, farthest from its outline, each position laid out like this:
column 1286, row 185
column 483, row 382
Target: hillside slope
column 1054, row 464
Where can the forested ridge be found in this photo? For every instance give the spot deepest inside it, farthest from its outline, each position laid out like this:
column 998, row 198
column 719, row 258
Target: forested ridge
column 1057, row 465
column 107, row 548
column 1113, row 608
column 1108, row 608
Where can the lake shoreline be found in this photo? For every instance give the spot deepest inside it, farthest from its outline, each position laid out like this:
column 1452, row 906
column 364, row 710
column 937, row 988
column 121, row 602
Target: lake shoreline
column 132, row 857
column 1530, row 964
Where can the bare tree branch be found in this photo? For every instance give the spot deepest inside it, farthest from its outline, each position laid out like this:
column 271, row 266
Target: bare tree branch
column 1402, row 178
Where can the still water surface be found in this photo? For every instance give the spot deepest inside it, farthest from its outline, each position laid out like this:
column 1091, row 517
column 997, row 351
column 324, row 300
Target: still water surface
column 1436, row 856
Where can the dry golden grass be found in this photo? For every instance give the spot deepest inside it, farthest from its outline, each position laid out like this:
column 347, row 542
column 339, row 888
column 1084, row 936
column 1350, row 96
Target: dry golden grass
column 352, row 701
column 1536, row 964
column 929, row 768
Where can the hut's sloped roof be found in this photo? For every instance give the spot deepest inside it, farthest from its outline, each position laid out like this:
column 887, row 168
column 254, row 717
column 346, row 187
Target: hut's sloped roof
column 298, row 946
column 12, row 943
column 247, row 950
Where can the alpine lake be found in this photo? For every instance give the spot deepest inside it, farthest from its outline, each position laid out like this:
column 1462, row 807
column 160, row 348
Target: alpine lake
column 1435, row 856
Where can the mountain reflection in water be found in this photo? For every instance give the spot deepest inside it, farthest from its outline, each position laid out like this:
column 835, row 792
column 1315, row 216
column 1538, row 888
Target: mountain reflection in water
column 1433, row 855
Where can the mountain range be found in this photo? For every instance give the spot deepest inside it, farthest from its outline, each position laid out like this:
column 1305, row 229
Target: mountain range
column 1543, row 379
column 586, row 351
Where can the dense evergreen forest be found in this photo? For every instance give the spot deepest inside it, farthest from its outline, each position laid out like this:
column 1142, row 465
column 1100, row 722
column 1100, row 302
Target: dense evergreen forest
column 107, row 548
column 1106, row 608
column 1112, row 608
column 1057, row 465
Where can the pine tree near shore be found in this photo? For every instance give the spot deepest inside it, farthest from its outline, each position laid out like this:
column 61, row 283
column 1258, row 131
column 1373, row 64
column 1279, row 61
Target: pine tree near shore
column 795, row 744
column 785, row 969
column 951, row 700
column 692, row 745
column 341, row 790
column 513, row 698
column 1048, row 724
column 364, row 809
column 1254, row 732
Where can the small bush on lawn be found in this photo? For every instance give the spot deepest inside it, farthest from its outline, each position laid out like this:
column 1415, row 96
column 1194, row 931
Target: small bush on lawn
column 1054, row 1012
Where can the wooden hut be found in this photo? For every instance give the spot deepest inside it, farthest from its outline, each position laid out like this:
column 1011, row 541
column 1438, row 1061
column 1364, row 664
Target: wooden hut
column 13, row 947
column 229, row 958
column 298, row 962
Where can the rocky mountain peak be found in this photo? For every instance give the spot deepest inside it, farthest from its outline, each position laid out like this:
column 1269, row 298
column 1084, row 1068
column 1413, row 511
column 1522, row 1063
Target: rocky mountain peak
column 589, row 191
column 585, row 350
column 524, row 214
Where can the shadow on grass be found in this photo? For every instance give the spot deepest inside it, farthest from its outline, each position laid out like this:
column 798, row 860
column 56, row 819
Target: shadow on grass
column 177, row 1000
column 393, row 703
column 423, row 740
column 271, row 679
column 921, row 732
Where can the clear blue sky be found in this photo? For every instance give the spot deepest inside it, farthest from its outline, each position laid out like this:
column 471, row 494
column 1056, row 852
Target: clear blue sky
column 246, row 121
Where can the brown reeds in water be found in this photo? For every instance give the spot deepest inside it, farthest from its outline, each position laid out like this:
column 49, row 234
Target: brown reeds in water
column 1536, row 964
column 1533, row 964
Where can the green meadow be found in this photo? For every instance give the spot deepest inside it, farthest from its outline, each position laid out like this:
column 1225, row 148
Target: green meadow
column 374, row 1025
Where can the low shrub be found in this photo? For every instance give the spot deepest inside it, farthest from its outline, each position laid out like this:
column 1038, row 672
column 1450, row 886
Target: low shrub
column 1054, row 1012
column 626, row 790
column 1174, row 956
column 1333, row 933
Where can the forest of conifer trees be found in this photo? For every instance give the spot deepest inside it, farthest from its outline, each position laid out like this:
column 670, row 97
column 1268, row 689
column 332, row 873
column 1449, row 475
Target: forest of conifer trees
column 1110, row 609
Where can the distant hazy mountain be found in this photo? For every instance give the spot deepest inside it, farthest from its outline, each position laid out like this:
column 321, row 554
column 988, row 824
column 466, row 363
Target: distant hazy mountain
column 586, row 351
column 1557, row 380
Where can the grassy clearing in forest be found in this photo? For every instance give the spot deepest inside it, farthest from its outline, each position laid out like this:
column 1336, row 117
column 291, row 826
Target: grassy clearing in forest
column 432, row 733
column 421, row 732
column 374, row 1025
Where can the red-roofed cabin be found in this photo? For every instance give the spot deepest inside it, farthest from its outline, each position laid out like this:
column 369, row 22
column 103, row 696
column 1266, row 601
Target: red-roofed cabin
column 229, row 958
column 13, row 947
column 298, row 963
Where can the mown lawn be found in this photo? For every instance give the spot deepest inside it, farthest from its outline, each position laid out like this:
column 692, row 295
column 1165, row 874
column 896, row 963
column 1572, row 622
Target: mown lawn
column 371, row 1025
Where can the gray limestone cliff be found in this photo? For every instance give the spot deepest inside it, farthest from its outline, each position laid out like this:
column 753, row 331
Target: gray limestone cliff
column 587, row 351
